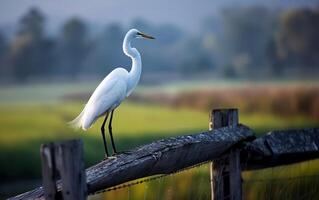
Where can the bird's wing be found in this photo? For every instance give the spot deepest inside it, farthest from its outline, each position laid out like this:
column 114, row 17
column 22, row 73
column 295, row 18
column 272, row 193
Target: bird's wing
column 108, row 93
column 106, row 99
column 109, row 82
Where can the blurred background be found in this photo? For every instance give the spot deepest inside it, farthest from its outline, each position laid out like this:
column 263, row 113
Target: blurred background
column 259, row 56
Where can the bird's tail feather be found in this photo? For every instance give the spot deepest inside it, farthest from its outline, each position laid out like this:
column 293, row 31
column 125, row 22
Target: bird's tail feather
column 77, row 122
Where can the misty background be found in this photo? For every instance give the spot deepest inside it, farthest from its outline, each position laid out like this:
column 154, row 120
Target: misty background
column 45, row 40
column 259, row 56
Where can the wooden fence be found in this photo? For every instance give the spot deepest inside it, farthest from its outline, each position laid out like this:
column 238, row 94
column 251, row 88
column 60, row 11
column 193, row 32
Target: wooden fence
column 232, row 148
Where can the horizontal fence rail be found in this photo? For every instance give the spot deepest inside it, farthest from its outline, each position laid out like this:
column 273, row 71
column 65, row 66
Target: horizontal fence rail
column 282, row 147
column 160, row 157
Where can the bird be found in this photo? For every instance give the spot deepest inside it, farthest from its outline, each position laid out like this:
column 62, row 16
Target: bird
column 114, row 88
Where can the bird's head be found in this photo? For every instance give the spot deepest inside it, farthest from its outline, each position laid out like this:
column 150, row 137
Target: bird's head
column 130, row 35
column 134, row 33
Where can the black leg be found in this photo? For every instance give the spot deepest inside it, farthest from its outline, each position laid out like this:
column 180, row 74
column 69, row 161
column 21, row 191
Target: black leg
column 111, row 134
column 103, row 135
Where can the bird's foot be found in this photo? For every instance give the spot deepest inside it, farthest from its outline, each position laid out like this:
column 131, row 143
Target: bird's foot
column 109, row 157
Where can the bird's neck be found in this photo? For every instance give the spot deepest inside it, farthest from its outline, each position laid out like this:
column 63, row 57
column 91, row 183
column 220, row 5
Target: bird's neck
column 136, row 70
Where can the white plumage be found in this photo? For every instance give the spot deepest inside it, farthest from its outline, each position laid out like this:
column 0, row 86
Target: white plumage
column 113, row 89
column 106, row 97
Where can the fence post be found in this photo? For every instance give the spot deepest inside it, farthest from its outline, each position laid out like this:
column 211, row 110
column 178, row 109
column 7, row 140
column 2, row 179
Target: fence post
column 64, row 159
column 225, row 173
column 49, row 171
column 235, row 175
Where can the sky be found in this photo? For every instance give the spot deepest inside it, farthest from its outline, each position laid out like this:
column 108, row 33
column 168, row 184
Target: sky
column 187, row 14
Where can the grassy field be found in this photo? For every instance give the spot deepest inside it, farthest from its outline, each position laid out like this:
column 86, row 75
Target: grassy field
column 32, row 115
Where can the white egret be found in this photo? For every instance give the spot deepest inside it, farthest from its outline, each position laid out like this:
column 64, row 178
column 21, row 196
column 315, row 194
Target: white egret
column 115, row 87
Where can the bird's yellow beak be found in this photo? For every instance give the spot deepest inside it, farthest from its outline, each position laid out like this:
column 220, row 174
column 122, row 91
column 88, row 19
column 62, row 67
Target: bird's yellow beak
column 146, row 36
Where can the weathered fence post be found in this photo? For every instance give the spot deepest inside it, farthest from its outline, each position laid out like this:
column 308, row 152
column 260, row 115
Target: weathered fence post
column 225, row 173
column 64, row 159
column 49, row 171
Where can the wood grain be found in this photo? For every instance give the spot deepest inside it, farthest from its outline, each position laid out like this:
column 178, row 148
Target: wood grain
column 160, row 157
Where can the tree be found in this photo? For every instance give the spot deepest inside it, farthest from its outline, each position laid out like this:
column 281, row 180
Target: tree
column 106, row 52
column 32, row 24
column 247, row 33
column 30, row 52
column 4, row 71
column 297, row 38
column 73, row 46
column 196, row 59
column 3, row 45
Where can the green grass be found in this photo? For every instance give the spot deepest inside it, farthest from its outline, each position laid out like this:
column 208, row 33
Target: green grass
column 23, row 123
column 295, row 181
column 20, row 124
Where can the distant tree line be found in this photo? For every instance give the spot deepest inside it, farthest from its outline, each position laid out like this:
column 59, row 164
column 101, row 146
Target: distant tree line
column 241, row 42
column 263, row 42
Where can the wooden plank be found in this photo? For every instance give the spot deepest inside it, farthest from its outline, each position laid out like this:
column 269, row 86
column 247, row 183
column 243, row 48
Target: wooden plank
column 166, row 156
column 70, row 163
column 217, row 178
column 225, row 183
column 160, row 157
column 217, row 166
column 49, row 171
column 235, row 175
column 293, row 141
column 283, row 147
column 223, row 117
column 64, row 159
